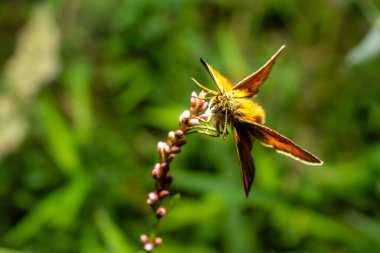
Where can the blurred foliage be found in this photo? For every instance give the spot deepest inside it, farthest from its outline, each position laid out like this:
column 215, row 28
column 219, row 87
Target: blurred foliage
column 76, row 173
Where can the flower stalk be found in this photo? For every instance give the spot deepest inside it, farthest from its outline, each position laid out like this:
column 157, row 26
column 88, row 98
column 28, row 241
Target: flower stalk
column 167, row 151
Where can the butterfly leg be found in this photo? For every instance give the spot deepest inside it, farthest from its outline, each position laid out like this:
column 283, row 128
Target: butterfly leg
column 225, row 131
column 203, row 119
column 207, row 130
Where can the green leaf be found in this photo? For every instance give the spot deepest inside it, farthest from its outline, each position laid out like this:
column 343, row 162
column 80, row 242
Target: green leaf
column 112, row 235
column 58, row 209
column 59, row 137
column 78, row 80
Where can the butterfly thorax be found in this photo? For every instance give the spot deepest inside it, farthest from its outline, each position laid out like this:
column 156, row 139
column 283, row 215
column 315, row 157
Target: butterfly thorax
column 225, row 107
column 221, row 106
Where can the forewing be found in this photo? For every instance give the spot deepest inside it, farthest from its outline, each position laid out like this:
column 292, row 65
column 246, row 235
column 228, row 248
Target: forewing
column 221, row 82
column 250, row 85
column 244, row 146
column 271, row 138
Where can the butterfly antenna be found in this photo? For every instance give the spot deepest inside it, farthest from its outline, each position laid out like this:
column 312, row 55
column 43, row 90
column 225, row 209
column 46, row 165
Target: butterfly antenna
column 204, row 88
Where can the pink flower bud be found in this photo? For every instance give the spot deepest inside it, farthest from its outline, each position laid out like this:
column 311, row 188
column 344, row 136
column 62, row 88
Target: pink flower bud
column 171, row 136
column 166, row 149
column 160, row 212
column 157, row 241
column 153, row 196
column 204, row 116
column 194, row 122
column 148, row 246
column 184, row 118
column 202, row 94
column 181, row 142
column 186, row 114
column 164, row 193
column 160, row 147
column 144, row 238
column 171, row 157
column 193, row 99
column 175, row 149
column 179, row 133
column 156, row 170
column 163, row 166
column 204, row 106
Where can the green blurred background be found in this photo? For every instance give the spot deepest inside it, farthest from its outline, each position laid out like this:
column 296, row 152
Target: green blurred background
column 89, row 87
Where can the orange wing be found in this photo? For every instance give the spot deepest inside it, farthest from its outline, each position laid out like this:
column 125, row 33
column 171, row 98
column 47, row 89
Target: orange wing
column 243, row 142
column 221, row 82
column 272, row 139
column 250, row 85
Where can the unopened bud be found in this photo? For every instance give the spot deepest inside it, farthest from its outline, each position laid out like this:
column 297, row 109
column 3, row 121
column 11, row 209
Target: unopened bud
column 204, row 106
column 148, row 246
column 163, row 166
column 164, row 194
column 153, row 196
column 193, row 99
column 160, row 147
column 181, row 142
column 179, row 133
column 166, row 148
column 144, row 238
column 156, row 170
column 157, row 241
column 175, row 149
column 171, row 136
column 202, row 94
column 194, row 122
column 184, row 118
column 160, row 212
column 204, row 116
column 171, row 157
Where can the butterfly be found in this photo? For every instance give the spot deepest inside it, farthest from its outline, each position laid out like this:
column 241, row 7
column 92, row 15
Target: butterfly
column 233, row 105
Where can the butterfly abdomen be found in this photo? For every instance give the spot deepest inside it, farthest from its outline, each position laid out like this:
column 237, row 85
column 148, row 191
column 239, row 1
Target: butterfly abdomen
column 248, row 111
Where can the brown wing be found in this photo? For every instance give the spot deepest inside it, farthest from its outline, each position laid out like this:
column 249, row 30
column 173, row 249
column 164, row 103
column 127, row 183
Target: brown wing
column 221, row 82
column 271, row 138
column 243, row 142
column 250, row 85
